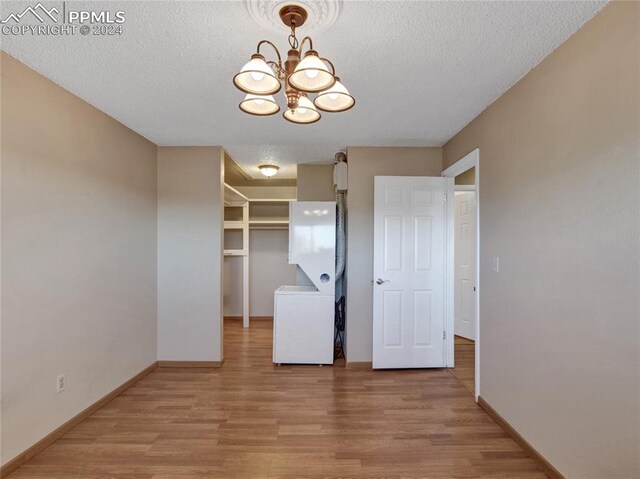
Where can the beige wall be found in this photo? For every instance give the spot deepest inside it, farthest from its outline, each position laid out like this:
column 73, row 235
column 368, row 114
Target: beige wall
column 315, row 183
column 78, row 255
column 268, row 270
column 365, row 163
column 466, row 178
column 559, row 202
column 190, row 217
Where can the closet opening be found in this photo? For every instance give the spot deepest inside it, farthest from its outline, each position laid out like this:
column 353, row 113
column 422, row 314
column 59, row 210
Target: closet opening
column 256, row 237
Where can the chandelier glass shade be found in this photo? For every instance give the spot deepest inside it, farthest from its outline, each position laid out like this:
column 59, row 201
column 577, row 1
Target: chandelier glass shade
column 311, row 74
column 334, row 99
column 304, row 113
column 300, row 75
column 257, row 77
column 260, row 105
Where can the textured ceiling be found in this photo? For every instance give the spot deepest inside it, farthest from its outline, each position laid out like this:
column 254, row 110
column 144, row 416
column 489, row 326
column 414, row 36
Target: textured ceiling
column 420, row 71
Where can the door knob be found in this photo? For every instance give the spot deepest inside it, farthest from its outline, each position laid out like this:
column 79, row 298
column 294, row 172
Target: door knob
column 381, row 281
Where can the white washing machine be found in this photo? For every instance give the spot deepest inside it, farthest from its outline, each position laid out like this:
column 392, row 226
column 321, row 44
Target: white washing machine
column 303, row 320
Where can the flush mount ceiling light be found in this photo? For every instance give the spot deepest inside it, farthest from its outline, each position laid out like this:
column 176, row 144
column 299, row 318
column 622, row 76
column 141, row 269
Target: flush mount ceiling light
column 268, row 170
column 301, row 75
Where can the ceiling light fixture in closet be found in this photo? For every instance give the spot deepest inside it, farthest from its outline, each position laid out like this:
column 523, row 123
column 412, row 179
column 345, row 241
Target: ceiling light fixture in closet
column 268, row 170
column 261, row 79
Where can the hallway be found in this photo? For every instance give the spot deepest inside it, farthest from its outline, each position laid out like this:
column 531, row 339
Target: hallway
column 251, row 419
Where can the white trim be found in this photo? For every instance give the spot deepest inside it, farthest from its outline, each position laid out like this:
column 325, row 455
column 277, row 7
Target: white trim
column 272, row 200
column 472, row 160
column 245, row 266
column 465, row 187
column 449, row 260
column 464, row 164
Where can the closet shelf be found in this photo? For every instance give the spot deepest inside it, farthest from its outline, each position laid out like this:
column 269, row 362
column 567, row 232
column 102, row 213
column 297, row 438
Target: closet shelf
column 269, row 227
column 239, row 226
column 233, row 197
column 236, row 252
column 269, row 222
column 234, row 225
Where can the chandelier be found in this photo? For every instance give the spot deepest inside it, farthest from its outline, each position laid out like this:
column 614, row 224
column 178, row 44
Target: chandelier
column 261, row 79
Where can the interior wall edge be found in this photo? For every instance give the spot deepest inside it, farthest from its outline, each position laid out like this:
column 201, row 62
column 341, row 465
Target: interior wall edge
column 190, row 253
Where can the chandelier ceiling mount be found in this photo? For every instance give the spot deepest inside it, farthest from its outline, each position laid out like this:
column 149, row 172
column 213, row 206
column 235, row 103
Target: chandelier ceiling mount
column 293, row 15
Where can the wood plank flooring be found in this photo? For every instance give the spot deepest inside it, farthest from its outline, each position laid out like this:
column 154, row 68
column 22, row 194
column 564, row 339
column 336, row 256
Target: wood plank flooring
column 251, row 419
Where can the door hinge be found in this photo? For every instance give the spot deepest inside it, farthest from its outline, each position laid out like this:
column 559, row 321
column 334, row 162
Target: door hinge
column 445, row 197
column 444, row 335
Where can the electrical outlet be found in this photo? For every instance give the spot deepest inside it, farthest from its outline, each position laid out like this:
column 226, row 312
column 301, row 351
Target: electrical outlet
column 61, row 382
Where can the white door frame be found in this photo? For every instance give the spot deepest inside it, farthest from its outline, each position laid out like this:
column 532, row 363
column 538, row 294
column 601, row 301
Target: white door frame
column 472, row 160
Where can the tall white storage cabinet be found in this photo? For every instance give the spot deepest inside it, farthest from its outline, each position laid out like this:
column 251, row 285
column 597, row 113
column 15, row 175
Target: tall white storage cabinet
column 303, row 324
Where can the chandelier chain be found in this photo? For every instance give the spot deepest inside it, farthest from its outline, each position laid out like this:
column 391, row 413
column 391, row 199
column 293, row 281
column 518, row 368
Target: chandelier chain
column 293, row 41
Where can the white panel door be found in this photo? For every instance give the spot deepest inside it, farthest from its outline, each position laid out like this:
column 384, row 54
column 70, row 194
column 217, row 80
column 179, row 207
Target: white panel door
column 464, row 309
column 409, row 258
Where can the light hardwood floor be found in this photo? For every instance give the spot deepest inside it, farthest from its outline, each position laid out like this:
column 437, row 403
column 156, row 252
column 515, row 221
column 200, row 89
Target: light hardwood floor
column 251, row 419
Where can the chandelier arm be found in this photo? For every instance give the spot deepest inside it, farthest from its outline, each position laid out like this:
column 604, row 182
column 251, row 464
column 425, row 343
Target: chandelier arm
column 302, row 44
column 279, row 70
column 333, row 69
column 262, row 42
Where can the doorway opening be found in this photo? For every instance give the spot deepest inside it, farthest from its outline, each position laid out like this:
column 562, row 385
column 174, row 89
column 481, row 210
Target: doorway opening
column 466, row 271
column 255, row 247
